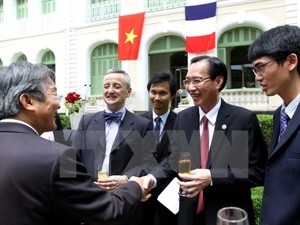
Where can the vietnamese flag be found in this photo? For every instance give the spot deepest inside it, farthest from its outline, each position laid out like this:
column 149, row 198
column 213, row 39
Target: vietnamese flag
column 130, row 33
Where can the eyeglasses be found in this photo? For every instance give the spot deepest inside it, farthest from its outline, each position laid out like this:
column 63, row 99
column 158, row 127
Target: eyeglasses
column 194, row 82
column 260, row 68
column 58, row 97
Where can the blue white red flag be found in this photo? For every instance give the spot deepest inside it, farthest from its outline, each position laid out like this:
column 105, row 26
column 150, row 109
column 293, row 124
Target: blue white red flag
column 200, row 25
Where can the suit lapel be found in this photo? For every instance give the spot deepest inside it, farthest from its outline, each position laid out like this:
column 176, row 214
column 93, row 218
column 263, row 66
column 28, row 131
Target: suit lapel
column 149, row 116
column 221, row 127
column 168, row 126
column 275, row 133
column 292, row 127
column 126, row 127
column 99, row 128
column 162, row 146
column 193, row 136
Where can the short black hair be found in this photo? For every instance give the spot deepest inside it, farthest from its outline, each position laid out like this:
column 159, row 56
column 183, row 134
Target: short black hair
column 162, row 77
column 277, row 43
column 216, row 67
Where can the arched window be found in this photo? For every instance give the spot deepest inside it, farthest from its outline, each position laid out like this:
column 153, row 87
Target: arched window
column 168, row 53
column 48, row 59
column 232, row 49
column 103, row 58
column 22, row 58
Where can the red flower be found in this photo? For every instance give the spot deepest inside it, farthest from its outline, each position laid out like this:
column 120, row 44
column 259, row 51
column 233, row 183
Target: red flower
column 72, row 97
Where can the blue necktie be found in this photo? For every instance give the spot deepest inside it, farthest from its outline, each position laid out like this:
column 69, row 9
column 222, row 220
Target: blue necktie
column 157, row 128
column 284, row 118
column 108, row 117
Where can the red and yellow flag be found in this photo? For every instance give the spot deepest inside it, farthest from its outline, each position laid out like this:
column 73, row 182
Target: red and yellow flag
column 130, row 33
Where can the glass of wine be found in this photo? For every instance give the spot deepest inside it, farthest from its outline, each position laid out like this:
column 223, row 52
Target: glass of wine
column 232, row 216
column 102, row 172
column 184, row 167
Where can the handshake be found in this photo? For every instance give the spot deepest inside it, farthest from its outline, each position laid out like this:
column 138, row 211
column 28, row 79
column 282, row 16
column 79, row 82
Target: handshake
column 112, row 182
column 146, row 183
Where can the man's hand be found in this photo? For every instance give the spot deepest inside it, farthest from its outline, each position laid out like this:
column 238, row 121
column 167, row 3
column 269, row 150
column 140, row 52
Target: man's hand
column 195, row 181
column 143, row 182
column 112, row 182
column 149, row 182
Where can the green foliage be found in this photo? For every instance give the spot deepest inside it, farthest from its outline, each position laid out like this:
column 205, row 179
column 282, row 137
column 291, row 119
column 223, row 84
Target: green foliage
column 65, row 121
column 266, row 124
column 74, row 107
column 256, row 194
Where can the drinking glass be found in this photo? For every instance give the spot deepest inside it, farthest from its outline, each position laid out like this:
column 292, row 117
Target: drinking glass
column 184, row 166
column 232, row 216
column 102, row 172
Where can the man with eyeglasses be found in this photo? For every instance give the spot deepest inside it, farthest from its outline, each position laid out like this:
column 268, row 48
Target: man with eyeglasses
column 41, row 181
column 228, row 152
column 275, row 58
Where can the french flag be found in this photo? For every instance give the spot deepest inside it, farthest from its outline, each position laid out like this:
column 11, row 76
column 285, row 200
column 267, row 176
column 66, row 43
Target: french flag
column 200, row 26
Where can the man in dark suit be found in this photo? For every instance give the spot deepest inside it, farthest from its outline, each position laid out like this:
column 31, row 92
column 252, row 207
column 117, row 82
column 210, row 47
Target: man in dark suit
column 233, row 160
column 120, row 144
column 41, row 181
column 275, row 58
column 161, row 89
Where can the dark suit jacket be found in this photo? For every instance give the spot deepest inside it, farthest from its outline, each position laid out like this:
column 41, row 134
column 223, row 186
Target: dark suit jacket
column 281, row 203
column 132, row 150
column 237, row 160
column 43, row 182
column 132, row 147
column 154, row 211
column 162, row 149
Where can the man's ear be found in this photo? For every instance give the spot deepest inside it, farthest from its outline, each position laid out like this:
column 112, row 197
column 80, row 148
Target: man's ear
column 293, row 61
column 129, row 92
column 26, row 101
column 219, row 80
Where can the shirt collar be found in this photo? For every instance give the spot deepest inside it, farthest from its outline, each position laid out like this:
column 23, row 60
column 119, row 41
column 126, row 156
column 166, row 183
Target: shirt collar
column 212, row 114
column 291, row 108
column 20, row 122
column 163, row 116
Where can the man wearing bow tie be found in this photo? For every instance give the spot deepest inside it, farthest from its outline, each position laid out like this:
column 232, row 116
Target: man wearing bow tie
column 114, row 138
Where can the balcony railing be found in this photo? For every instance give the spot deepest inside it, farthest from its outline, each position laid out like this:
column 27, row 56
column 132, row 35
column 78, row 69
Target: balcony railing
column 253, row 99
column 103, row 11
column 159, row 5
column 250, row 98
column 111, row 8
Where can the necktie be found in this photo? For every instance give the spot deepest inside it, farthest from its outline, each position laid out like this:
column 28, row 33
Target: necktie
column 284, row 118
column 204, row 142
column 157, row 128
column 108, row 117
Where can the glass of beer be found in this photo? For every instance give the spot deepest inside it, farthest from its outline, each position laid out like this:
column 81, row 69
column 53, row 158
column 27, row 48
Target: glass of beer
column 184, row 166
column 102, row 172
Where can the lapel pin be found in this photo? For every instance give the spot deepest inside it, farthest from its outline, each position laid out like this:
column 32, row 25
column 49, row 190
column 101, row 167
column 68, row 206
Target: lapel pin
column 224, row 126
